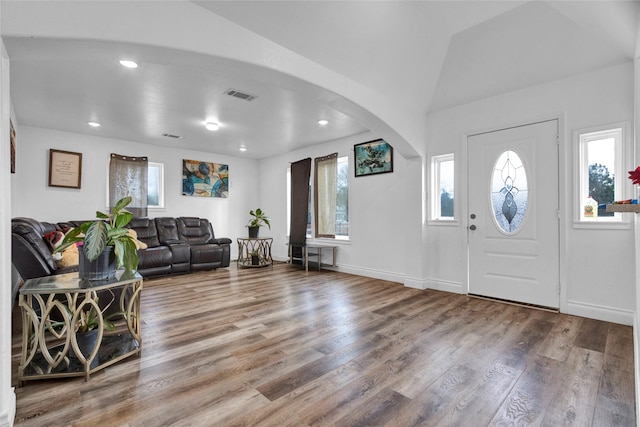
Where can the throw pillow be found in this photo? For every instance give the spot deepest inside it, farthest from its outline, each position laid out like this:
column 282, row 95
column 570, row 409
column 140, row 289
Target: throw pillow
column 134, row 235
column 53, row 239
column 69, row 257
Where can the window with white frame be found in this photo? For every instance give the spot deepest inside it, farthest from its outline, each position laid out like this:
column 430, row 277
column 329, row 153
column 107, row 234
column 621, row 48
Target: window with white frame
column 601, row 173
column 442, row 187
column 155, row 185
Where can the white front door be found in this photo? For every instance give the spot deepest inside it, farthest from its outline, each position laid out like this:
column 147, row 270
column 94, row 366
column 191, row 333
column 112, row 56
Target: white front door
column 513, row 214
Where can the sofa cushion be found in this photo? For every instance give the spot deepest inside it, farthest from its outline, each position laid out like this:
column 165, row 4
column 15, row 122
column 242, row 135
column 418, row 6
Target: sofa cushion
column 194, row 231
column 151, row 257
column 167, row 230
column 146, row 231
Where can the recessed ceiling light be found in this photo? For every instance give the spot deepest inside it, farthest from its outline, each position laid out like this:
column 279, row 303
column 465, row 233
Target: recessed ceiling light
column 243, row 148
column 212, row 126
column 323, row 122
column 93, row 124
column 128, row 64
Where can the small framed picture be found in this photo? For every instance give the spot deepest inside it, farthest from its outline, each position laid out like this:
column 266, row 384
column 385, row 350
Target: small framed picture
column 65, row 169
column 373, row 157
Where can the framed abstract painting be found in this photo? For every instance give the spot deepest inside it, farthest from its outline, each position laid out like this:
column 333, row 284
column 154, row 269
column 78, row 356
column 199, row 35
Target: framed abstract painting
column 373, row 157
column 205, row 179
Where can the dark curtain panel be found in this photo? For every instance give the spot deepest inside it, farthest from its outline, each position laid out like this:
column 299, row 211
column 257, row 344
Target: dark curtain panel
column 128, row 177
column 300, row 174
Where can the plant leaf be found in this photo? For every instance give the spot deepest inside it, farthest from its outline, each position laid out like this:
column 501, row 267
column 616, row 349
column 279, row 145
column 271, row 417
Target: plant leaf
column 95, row 240
column 130, row 256
column 101, row 215
column 69, row 239
column 122, row 218
column 120, row 204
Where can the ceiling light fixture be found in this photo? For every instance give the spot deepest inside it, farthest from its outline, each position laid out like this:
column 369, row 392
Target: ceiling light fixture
column 128, row 64
column 243, row 148
column 93, row 124
column 212, row 126
column 323, row 122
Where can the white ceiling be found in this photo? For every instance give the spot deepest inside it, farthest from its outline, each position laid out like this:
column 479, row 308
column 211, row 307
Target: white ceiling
column 423, row 55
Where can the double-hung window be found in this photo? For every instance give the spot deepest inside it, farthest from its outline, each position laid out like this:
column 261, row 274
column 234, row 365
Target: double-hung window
column 155, row 186
column 602, row 173
column 442, row 188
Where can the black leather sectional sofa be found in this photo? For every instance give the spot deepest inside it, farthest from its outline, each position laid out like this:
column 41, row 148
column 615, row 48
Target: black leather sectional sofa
column 174, row 245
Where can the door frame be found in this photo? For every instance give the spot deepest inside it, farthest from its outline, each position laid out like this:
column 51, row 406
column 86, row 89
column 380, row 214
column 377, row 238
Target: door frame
column 564, row 202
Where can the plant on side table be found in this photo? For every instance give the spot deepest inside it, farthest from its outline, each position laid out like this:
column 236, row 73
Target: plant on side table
column 259, row 219
column 106, row 243
column 86, row 325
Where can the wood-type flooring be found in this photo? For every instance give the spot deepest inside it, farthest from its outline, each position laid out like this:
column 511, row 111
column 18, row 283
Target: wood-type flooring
column 285, row 347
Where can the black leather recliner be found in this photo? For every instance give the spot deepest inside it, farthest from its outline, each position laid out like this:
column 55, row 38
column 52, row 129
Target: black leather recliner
column 207, row 252
column 30, row 254
column 155, row 259
column 168, row 236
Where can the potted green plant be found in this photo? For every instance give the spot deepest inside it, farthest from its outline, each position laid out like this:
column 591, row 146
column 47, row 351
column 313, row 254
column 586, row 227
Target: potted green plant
column 86, row 325
column 106, row 243
column 255, row 257
column 258, row 220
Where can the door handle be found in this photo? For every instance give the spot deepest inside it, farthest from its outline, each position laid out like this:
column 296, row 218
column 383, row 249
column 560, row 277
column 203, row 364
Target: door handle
column 472, row 227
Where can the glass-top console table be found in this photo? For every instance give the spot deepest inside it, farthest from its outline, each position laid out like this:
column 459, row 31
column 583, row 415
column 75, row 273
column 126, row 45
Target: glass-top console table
column 54, row 312
column 254, row 252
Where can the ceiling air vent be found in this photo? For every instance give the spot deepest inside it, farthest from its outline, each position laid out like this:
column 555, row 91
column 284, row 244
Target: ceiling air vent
column 241, row 95
column 168, row 135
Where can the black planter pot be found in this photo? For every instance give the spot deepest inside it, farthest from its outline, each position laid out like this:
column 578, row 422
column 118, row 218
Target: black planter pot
column 86, row 343
column 101, row 268
column 255, row 260
column 253, row 232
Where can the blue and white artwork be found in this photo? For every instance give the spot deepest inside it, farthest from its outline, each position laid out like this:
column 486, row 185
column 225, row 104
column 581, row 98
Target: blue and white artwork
column 205, row 179
column 373, row 157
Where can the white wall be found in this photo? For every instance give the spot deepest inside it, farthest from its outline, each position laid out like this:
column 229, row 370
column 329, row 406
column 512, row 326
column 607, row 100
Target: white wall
column 598, row 278
column 7, row 395
column 376, row 211
column 37, row 200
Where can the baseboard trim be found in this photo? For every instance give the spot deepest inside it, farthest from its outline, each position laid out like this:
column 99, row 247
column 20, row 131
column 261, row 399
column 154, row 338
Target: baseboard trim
column 369, row 272
column 447, row 286
column 415, row 283
column 7, row 418
column 598, row 312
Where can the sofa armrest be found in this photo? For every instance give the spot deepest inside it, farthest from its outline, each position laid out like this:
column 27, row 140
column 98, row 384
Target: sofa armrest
column 171, row 242
column 221, row 241
column 180, row 250
column 27, row 260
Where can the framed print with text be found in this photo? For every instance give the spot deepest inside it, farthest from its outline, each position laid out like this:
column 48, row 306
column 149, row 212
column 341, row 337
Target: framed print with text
column 65, row 169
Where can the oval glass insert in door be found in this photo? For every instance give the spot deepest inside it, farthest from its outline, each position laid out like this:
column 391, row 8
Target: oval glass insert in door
column 509, row 192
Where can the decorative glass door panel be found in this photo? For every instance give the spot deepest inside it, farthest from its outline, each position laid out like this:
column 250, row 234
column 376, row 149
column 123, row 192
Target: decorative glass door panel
column 509, row 192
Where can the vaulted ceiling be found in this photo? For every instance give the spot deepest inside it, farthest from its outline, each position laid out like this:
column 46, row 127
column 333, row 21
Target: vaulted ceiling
column 421, row 55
